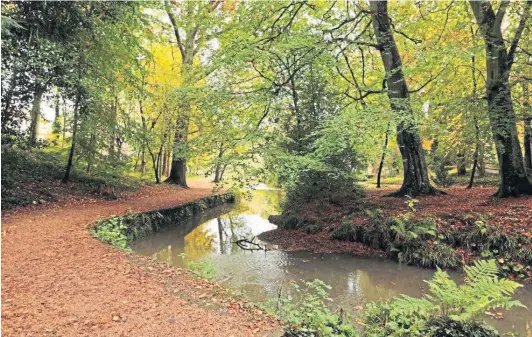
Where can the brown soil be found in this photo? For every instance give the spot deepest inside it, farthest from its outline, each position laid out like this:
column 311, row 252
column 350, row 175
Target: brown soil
column 57, row 280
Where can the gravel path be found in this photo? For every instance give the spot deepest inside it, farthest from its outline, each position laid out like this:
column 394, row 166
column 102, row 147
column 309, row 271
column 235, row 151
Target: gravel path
column 59, row 281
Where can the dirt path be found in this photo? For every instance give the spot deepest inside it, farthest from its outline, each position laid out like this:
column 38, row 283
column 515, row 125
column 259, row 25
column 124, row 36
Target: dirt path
column 59, row 281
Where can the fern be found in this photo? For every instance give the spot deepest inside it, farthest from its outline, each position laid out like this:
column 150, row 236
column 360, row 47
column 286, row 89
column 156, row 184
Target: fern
column 483, row 291
column 407, row 316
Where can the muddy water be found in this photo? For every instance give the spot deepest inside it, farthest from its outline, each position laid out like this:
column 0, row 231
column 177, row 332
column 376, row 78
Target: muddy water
column 259, row 275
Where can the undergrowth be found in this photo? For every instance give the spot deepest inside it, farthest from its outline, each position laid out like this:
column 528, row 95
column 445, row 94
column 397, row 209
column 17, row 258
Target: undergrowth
column 449, row 309
column 202, row 268
column 307, row 314
column 409, row 241
column 422, row 242
column 21, row 168
column 112, row 231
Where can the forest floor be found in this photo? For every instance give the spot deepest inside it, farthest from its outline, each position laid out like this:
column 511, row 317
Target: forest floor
column 459, row 205
column 57, row 280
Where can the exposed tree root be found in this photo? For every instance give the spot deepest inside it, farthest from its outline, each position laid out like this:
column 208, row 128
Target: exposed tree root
column 404, row 191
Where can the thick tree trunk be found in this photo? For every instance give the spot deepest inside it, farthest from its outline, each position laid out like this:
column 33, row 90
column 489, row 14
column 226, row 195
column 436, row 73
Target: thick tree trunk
column 35, row 115
column 179, row 162
column 500, row 106
column 66, row 177
column 416, row 179
column 178, row 173
column 381, row 164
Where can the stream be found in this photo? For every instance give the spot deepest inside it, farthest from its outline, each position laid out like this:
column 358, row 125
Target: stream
column 260, row 275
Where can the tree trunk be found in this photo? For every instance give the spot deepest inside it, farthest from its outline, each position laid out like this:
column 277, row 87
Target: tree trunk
column 473, row 169
column 66, row 177
column 218, row 169
column 6, row 101
column 112, row 138
column 35, row 115
column 416, row 180
column 481, row 162
column 56, row 128
column 91, row 154
column 527, row 141
column 384, row 148
column 64, row 123
column 461, row 164
column 179, row 163
column 475, row 155
column 143, row 160
column 527, row 137
column 500, row 106
column 224, row 166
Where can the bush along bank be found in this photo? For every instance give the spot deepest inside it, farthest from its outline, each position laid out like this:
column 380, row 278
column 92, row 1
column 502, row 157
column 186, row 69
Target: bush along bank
column 448, row 242
column 119, row 231
column 449, row 310
column 425, row 243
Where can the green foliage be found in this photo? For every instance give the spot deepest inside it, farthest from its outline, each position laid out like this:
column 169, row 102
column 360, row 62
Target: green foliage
column 483, row 291
column 322, row 186
column 406, row 240
column 202, row 268
column 445, row 327
column 437, row 165
column 112, row 231
column 459, row 307
column 314, row 229
column 22, row 168
column 511, row 250
column 307, row 314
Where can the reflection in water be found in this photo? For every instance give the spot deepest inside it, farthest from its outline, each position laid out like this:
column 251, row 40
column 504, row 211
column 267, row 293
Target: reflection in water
column 259, row 275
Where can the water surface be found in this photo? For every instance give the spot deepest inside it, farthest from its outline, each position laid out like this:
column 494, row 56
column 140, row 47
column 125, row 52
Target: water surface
column 261, row 275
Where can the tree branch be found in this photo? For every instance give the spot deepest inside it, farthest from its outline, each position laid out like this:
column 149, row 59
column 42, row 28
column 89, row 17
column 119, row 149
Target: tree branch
column 518, row 33
column 176, row 29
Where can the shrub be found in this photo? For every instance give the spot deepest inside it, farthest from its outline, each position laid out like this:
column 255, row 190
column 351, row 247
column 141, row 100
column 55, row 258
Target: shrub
column 446, row 327
column 346, row 232
column 290, row 220
column 314, row 229
column 427, row 255
column 320, row 186
column 404, row 240
column 112, row 231
column 308, row 315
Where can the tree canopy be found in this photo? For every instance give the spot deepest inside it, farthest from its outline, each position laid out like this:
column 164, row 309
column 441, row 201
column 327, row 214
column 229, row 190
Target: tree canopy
column 247, row 91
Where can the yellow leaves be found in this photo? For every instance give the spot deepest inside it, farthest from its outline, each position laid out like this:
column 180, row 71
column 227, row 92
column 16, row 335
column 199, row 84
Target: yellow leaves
column 426, row 144
column 230, row 6
column 165, row 70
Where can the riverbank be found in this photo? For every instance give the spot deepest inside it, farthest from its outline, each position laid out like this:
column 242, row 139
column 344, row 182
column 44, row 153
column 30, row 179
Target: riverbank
column 460, row 219
column 57, row 280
